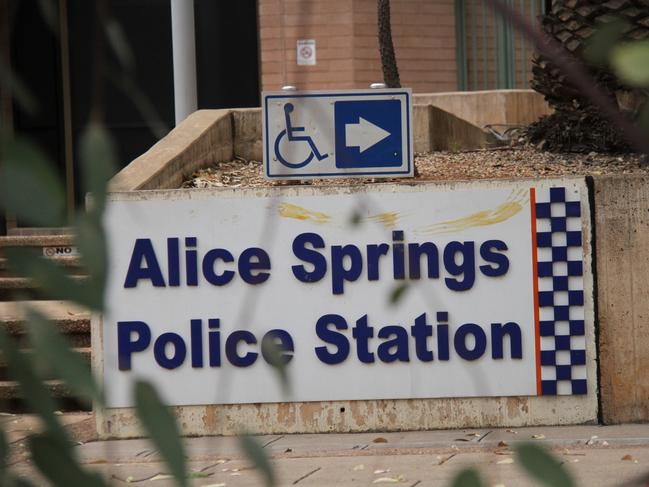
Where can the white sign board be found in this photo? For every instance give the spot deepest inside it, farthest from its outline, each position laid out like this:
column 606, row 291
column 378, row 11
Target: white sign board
column 494, row 303
column 353, row 133
column 306, row 52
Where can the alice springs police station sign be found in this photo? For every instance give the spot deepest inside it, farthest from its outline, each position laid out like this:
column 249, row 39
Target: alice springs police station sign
column 497, row 298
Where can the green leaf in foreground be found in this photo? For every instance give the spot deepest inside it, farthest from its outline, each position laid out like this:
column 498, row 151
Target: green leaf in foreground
column 601, row 43
column 53, row 281
column 59, row 465
column 119, row 43
column 543, row 466
column 162, row 428
column 467, row 478
column 50, row 14
column 51, row 346
column 199, row 475
column 356, row 219
column 90, row 239
column 257, row 455
column 19, row 91
column 4, row 452
column 33, row 390
column 142, row 103
column 643, row 117
column 272, row 348
column 98, row 156
column 630, row 62
column 20, row 482
column 397, row 293
column 29, row 186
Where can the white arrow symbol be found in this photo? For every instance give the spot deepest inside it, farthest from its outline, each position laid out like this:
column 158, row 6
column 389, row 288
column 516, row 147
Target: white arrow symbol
column 364, row 134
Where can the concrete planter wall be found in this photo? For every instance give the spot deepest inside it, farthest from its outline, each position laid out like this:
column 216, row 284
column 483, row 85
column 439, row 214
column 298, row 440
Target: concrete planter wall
column 619, row 206
column 442, row 121
column 493, row 107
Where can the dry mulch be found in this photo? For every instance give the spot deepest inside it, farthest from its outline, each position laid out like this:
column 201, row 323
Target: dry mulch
column 508, row 162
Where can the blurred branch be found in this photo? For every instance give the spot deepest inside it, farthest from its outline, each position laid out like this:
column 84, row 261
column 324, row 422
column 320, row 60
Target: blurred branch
column 141, row 102
column 17, row 89
column 49, row 12
column 97, row 108
column 118, row 42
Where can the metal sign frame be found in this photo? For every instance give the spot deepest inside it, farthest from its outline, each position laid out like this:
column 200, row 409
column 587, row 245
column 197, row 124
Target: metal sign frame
column 296, row 171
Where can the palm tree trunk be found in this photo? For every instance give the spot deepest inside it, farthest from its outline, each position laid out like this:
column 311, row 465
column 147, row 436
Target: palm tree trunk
column 386, row 48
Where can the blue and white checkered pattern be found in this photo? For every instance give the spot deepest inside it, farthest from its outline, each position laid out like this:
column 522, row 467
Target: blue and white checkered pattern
column 561, row 292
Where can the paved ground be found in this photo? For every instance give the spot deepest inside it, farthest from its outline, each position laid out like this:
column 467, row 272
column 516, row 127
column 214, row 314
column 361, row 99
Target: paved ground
column 607, row 456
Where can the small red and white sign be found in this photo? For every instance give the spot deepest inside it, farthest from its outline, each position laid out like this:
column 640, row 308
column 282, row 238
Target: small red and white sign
column 306, row 52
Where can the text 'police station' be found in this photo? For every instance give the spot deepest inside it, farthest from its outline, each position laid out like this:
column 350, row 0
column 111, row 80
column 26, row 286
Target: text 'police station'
column 456, row 264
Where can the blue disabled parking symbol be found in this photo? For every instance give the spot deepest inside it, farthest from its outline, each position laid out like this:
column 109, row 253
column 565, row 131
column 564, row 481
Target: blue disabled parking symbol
column 368, row 133
column 347, row 133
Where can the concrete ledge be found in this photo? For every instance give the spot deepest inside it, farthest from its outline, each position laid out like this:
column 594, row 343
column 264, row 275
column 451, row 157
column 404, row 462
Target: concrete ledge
column 361, row 416
column 421, row 128
column 442, row 121
column 449, row 132
column 209, row 136
column 433, row 129
column 480, row 108
column 436, row 129
column 203, row 138
column 247, row 133
column 622, row 245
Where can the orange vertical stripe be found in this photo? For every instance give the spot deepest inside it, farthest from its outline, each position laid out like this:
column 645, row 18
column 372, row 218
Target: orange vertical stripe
column 535, row 286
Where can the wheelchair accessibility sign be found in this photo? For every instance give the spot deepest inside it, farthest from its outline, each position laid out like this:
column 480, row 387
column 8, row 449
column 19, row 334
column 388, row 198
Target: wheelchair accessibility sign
column 351, row 133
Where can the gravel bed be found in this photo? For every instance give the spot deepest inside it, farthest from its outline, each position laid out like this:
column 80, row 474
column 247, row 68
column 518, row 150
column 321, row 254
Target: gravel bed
column 523, row 162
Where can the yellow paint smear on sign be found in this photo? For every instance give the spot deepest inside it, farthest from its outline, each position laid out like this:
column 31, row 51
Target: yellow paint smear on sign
column 288, row 210
column 513, row 205
column 388, row 219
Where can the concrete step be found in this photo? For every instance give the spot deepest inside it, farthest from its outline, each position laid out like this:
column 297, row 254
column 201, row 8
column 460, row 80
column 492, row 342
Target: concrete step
column 11, row 390
column 74, row 340
column 58, row 248
column 85, row 352
column 11, row 400
column 71, row 320
column 31, row 231
column 72, row 265
column 14, row 288
column 69, row 317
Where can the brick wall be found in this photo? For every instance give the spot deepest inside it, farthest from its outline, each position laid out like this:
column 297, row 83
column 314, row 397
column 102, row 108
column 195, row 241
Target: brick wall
column 283, row 22
column 423, row 33
column 347, row 47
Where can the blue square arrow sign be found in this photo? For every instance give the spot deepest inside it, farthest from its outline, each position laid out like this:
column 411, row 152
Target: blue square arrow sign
column 351, row 133
column 368, row 133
